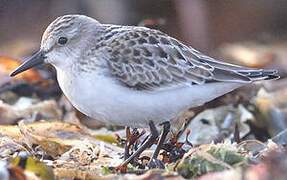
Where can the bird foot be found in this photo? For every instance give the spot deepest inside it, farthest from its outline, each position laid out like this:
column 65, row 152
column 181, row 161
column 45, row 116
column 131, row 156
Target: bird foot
column 122, row 168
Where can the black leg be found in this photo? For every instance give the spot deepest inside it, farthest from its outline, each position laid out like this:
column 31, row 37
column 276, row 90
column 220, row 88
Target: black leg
column 154, row 162
column 149, row 142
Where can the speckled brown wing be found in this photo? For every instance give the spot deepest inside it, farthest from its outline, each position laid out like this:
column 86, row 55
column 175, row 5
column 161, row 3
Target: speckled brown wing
column 147, row 59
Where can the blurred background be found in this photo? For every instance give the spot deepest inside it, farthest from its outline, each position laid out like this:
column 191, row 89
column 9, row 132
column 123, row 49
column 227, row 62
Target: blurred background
column 250, row 33
column 206, row 25
column 246, row 32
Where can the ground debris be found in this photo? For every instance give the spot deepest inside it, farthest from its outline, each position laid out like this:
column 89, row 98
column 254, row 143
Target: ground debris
column 218, row 124
column 228, row 138
column 27, row 108
column 209, row 158
column 272, row 166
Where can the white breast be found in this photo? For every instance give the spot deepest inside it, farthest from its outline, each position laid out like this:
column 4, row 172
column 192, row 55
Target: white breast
column 105, row 99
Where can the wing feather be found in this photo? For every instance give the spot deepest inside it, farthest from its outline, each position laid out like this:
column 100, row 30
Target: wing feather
column 143, row 58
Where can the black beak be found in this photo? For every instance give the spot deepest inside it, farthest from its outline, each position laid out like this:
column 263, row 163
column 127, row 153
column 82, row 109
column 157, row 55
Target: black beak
column 36, row 59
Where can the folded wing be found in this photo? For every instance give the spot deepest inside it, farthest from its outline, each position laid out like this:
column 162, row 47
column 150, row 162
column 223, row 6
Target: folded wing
column 148, row 59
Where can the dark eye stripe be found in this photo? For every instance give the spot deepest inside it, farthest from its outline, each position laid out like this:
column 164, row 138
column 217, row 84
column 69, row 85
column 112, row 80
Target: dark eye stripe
column 62, row 40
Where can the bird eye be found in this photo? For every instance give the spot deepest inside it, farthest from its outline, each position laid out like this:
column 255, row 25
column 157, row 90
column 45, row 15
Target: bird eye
column 62, row 40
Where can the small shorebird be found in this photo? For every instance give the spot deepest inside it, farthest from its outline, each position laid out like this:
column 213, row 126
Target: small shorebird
column 133, row 76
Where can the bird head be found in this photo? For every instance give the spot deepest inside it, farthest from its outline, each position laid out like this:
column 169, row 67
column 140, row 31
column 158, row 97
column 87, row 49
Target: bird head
column 62, row 42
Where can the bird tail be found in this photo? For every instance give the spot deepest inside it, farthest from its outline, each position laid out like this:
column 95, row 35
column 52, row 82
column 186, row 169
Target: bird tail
column 260, row 74
column 240, row 73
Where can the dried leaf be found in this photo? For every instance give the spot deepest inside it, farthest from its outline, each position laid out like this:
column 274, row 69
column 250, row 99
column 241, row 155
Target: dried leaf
column 75, row 174
column 57, row 138
column 34, row 168
column 52, row 146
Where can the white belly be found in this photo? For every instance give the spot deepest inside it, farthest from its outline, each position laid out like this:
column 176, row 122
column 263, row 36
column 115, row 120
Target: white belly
column 102, row 98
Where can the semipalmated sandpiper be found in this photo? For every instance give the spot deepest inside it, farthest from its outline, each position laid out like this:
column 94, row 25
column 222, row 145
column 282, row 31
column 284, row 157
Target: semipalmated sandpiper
column 133, row 76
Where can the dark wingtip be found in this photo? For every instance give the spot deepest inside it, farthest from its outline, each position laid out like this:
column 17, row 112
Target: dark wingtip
column 272, row 77
column 261, row 74
column 12, row 74
column 271, row 74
